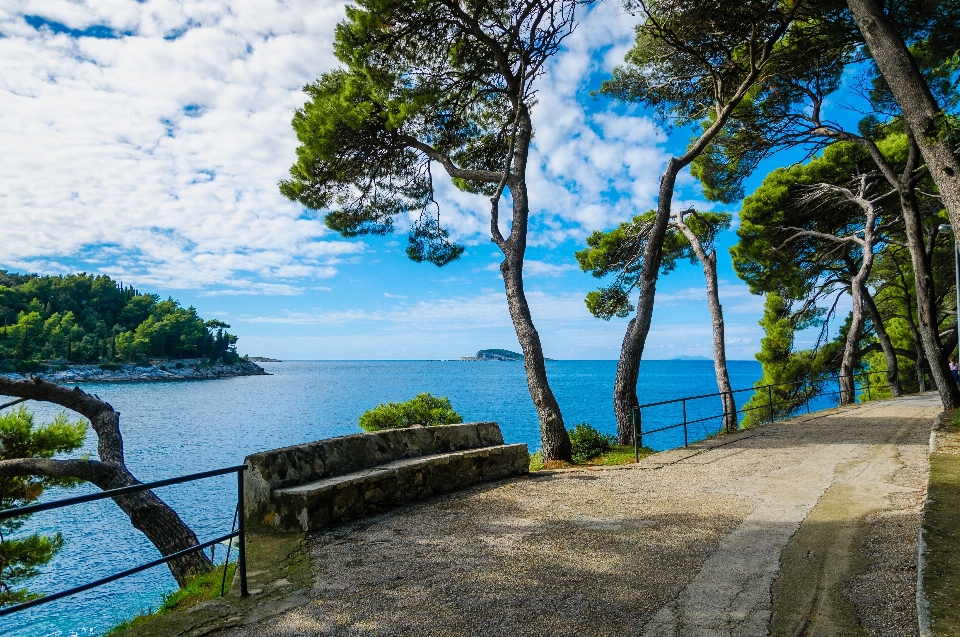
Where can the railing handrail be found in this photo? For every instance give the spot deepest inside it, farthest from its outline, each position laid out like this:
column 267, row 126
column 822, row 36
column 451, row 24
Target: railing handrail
column 111, row 493
column 636, row 412
column 754, row 388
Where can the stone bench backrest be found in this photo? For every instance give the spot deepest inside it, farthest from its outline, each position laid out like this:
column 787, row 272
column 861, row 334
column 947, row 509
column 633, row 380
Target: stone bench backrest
column 301, row 464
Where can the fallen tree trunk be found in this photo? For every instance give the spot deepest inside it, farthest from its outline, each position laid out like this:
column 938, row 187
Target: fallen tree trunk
column 148, row 513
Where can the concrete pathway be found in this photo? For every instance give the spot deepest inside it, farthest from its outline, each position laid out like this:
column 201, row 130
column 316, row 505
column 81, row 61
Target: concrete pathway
column 806, row 527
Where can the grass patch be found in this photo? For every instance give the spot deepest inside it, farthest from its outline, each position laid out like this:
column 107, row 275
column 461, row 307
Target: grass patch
column 941, row 532
column 616, row 455
column 200, row 589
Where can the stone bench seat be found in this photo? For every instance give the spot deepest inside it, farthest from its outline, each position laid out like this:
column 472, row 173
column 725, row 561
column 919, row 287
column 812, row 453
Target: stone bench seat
column 319, row 503
column 307, row 487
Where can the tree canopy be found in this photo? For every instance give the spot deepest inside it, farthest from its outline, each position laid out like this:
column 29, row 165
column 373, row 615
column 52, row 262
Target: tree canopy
column 21, row 555
column 81, row 318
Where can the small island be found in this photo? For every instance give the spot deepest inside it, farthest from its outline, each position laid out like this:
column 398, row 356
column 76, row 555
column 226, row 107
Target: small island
column 496, row 355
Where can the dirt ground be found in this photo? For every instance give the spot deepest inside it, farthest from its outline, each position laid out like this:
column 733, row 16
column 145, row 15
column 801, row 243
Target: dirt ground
column 806, row 527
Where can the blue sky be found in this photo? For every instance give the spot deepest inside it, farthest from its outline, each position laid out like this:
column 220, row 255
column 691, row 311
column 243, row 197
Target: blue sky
column 144, row 140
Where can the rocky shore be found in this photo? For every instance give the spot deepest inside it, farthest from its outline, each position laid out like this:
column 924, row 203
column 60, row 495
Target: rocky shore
column 187, row 369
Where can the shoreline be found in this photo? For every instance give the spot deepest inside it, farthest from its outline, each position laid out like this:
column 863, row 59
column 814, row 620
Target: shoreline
column 189, row 369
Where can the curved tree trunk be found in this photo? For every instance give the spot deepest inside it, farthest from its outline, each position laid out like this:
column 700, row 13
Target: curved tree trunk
column 927, row 303
column 889, row 355
column 553, row 434
column 709, row 263
column 628, row 368
column 148, row 513
column 920, row 109
column 848, row 393
column 927, row 332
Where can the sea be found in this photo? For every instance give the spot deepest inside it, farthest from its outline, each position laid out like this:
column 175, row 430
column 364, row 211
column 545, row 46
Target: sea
column 180, row 427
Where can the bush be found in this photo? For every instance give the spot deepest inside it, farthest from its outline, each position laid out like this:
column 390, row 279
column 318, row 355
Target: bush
column 111, row 367
column 423, row 410
column 587, row 442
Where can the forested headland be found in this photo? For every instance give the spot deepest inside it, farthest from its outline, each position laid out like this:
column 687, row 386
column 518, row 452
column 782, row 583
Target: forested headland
column 81, row 318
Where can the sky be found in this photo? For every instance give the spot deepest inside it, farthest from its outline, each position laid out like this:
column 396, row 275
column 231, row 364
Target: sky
column 145, row 140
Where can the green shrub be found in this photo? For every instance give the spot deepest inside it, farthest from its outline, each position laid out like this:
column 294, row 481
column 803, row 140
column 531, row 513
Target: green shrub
column 587, row 442
column 536, row 461
column 423, row 410
column 111, row 367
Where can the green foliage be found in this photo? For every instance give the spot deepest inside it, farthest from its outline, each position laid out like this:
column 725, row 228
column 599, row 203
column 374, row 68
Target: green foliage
column 85, row 319
column 771, row 257
column 200, row 589
column 22, row 556
column 587, row 442
column 794, row 373
column 365, row 133
column 619, row 253
column 425, row 410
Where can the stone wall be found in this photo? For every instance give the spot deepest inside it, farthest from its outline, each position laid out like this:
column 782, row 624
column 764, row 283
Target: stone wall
column 305, row 487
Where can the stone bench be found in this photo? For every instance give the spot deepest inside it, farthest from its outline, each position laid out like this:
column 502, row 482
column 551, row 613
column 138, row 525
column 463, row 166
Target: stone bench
column 307, row 487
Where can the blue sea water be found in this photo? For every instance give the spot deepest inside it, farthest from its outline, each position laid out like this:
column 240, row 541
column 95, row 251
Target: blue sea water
column 175, row 428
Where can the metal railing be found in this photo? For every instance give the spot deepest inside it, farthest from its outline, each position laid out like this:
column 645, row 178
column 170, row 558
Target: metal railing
column 237, row 531
column 810, row 391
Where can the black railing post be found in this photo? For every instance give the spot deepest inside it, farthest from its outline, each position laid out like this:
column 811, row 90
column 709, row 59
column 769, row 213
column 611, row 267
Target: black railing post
column 770, row 401
column 685, row 439
column 636, row 443
column 868, row 387
column 242, row 558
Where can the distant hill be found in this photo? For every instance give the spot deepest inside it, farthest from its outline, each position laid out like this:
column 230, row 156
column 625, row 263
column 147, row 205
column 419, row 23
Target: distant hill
column 691, row 358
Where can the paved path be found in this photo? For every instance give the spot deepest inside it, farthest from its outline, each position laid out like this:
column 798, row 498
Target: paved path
column 807, row 527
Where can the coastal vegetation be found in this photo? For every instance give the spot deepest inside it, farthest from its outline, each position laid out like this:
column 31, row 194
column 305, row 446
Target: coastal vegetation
column 21, row 438
column 859, row 219
column 81, row 318
column 199, row 589
column 424, row 410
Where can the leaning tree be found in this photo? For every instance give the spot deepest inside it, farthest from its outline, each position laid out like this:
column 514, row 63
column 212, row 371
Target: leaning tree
column 148, row 513
column 618, row 254
column 694, row 63
column 444, row 83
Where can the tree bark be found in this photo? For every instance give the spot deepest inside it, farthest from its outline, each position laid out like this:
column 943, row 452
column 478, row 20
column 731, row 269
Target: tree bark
column 912, row 93
column 634, row 340
column 553, row 433
column 709, row 263
column 848, row 393
column 927, row 302
column 148, row 513
column 889, row 354
column 628, row 368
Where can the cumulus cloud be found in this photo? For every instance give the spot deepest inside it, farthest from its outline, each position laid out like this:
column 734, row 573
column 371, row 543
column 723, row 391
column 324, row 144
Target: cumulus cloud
column 145, row 140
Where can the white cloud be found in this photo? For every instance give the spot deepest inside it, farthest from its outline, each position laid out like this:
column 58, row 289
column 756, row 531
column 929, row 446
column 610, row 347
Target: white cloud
column 535, row 268
column 163, row 151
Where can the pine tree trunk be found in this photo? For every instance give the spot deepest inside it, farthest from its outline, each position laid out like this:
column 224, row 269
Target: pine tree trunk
column 926, row 303
column 631, row 352
column 920, row 109
column 889, row 355
column 553, row 433
column 709, row 263
column 848, row 364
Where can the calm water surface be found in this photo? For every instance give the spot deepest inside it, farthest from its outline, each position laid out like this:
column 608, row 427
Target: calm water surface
column 175, row 428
